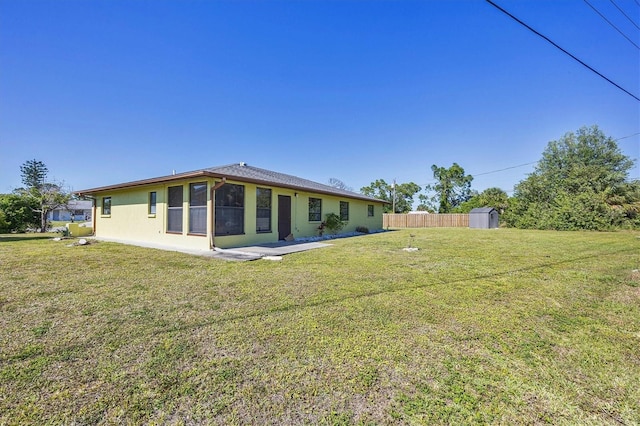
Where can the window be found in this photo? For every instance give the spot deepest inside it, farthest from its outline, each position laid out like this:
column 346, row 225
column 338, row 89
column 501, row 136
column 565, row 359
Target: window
column 263, row 210
column 106, row 206
column 174, row 215
column 344, row 210
column 370, row 210
column 152, row 203
column 315, row 209
column 230, row 210
column 198, row 208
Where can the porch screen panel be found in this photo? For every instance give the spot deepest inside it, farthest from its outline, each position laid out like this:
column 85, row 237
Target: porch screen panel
column 230, row 210
column 174, row 214
column 198, row 208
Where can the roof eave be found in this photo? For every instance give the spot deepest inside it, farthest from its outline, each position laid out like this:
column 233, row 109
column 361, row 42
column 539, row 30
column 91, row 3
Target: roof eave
column 145, row 182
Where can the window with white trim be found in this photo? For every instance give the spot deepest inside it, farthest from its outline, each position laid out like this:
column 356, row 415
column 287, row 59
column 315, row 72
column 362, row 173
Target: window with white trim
column 263, row 210
column 344, row 210
column 152, row 202
column 198, row 208
column 106, row 206
column 315, row 209
column 174, row 207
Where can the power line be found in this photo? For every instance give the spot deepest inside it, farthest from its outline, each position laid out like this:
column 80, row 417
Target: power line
column 502, row 170
column 610, row 23
column 487, row 173
column 626, row 16
column 563, row 50
column 524, row 164
column 626, row 137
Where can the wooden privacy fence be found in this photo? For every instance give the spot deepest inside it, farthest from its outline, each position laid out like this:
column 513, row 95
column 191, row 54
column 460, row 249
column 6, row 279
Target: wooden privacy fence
column 425, row 220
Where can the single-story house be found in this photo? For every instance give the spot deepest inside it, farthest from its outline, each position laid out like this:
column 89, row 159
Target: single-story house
column 73, row 211
column 228, row 206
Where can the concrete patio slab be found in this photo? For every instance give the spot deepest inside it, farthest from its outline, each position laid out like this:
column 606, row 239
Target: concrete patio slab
column 276, row 249
column 238, row 254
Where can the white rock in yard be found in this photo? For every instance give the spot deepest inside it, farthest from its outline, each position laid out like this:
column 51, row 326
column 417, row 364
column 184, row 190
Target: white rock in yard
column 272, row 257
column 82, row 242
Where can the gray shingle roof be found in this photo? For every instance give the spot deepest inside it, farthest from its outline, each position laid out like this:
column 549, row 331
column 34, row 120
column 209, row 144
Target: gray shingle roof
column 243, row 173
column 482, row 210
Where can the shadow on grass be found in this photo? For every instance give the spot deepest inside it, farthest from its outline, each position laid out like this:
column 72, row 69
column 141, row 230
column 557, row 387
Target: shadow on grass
column 5, row 238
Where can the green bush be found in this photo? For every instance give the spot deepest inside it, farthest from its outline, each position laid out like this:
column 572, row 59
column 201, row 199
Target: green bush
column 332, row 223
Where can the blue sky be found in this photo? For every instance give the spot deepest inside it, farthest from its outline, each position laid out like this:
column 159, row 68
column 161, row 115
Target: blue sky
column 105, row 92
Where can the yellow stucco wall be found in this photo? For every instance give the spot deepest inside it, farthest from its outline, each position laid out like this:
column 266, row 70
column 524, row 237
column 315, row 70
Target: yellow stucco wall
column 75, row 230
column 130, row 220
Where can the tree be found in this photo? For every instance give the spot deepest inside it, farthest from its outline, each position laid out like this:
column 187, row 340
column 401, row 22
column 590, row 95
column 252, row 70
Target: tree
column 17, row 213
column 33, row 173
column 625, row 203
column 580, row 183
column 337, row 183
column 45, row 195
column 398, row 195
column 490, row 197
column 453, row 188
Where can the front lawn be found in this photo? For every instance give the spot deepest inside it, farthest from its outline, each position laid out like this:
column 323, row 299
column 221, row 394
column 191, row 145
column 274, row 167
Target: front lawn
column 478, row 326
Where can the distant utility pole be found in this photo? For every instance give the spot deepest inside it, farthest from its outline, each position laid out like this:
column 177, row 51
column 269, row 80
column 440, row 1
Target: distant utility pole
column 394, row 196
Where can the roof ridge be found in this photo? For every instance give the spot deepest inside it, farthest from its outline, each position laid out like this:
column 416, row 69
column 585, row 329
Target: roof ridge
column 281, row 175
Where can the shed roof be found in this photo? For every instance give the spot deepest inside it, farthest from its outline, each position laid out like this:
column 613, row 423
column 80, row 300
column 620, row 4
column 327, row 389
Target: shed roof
column 482, row 210
column 239, row 172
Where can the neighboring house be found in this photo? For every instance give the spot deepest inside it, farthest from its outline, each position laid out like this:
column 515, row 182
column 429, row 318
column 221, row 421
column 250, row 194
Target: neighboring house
column 228, row 206
column 73, row 211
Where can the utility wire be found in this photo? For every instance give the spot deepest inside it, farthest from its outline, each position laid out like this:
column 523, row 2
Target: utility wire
column 627, row 137
column 612, row 25
column 563, row 50
column 488, row 173
column 525, row 164
column 626, row 16
column 502, row 170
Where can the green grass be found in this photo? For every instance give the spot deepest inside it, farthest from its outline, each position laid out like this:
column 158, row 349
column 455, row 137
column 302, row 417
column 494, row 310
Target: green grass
column 57, row 223
column 476, row 327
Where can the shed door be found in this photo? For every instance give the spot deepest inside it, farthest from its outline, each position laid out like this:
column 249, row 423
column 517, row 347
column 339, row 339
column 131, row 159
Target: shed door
column 284, row 216
column 493, row 219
